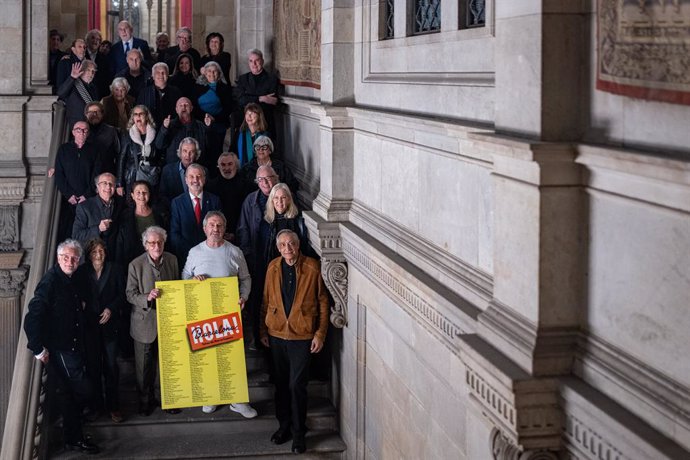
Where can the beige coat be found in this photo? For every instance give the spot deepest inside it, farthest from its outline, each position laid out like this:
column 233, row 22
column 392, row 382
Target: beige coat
column 141, row 278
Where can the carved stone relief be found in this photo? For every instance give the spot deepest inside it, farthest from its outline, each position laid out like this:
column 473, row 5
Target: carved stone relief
column 9, row 228
column 12, row 281
column 503, row 449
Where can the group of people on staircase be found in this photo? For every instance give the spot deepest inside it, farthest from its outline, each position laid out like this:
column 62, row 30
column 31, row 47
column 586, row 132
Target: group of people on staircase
column 152, row 190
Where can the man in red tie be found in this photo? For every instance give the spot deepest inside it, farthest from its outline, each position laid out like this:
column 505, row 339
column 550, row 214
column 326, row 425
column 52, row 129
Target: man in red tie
column 187, row 212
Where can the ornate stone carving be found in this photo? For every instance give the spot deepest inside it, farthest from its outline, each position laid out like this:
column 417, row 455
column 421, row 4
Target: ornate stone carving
column 325, row 237
column 502, row 448
column 9, row 228
column 12, row 282
column 334, row 272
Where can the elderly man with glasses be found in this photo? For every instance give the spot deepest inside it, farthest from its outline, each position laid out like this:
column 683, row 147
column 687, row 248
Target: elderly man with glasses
column 154, row 265
column 55, row 329
column 253, row 235
column 100, row 216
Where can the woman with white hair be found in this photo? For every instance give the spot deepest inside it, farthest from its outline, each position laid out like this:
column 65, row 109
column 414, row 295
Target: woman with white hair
column 117, row 107
column 263, row 150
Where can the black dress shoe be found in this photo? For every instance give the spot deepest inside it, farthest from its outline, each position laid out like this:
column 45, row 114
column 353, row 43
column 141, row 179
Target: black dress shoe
column 145, row 410
column 299, row 446
column 172, row 411
column 281, row 436
column 82, row 446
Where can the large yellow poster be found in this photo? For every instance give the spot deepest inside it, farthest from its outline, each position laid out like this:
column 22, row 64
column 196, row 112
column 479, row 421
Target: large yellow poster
column 192, row 314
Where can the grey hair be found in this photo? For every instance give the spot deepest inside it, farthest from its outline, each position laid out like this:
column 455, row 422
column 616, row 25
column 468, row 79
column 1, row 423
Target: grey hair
column 160, row 64
column 215, row 214
column 189, row 140
column 98, row 178
column 256, row 51
column 154, row 229
column 287, row 231
column 202, row 80
column 264, row 140
column 228, row 154
column 201, row 168
column 184, row 29
column 119, row 81
column 70, row 243
column 93, row 32
column 138, row 51
column 86, row 63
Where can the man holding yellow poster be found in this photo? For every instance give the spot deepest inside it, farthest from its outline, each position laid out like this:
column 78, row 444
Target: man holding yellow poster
column 199, row 328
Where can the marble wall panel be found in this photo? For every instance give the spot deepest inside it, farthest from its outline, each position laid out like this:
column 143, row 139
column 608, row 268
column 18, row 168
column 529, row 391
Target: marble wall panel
column 367, row 171
column 519, row 74
column 639, row 291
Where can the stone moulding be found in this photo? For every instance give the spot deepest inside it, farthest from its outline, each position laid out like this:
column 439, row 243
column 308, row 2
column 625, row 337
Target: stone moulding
column 12, row 281
column 607, row 368
column 586, row 443
column 450, row 317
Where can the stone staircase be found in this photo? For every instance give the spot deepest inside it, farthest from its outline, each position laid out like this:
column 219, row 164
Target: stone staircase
column 223, row 434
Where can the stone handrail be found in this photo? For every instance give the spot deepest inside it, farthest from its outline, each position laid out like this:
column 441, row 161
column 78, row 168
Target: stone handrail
column 24, row 436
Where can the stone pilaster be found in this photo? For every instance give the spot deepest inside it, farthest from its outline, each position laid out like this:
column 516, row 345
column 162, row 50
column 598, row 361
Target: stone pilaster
column 533, row 317
column 337, row 164
column 11, row 287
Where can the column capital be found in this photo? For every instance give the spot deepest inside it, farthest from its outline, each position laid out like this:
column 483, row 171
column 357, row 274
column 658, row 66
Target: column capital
column 12, row 281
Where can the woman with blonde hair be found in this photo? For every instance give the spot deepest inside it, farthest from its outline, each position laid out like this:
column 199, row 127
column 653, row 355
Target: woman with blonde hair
column 282, row 213
column 139, row 158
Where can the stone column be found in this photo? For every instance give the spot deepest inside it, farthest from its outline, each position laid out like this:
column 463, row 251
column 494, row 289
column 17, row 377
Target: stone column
column 11, row 286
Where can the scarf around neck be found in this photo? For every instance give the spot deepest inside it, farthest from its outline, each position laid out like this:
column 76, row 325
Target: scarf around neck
column 135, row 135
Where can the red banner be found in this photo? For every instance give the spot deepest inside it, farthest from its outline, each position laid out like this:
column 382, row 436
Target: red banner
column 214, row 331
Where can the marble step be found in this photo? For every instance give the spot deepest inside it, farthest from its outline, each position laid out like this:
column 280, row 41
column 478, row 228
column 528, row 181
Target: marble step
column 199, row 445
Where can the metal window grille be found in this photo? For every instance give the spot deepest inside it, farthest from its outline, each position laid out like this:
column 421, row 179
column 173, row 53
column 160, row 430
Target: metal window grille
column 388, row 26
column 472, row 14
column 427, row 16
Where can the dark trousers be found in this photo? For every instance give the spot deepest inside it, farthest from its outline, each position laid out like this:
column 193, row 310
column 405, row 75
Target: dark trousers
column 74, row 390
column 104, row 372
column 146, row 365
column 291, row 367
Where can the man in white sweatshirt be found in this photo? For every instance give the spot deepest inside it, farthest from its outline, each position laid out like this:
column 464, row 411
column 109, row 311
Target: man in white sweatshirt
column 217, row 258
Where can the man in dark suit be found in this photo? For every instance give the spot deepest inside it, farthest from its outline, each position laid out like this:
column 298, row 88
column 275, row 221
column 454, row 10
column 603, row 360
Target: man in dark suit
column 184, row 45
column 294, row 322
column 187, row 213
column 100, row 216
column 64, row 65
column 55, row 328
column 172, row 178
column 118, row 52
column 160, row 97
column 259, row 86
column 136, row 75
column 93, row 41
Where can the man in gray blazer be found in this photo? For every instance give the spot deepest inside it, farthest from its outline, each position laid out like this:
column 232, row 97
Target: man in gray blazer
column 154, row 265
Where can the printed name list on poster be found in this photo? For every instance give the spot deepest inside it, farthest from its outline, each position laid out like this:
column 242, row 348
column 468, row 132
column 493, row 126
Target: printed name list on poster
column 200, row 345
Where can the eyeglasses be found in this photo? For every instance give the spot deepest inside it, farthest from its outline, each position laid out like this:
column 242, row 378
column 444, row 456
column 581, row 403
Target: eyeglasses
column 261, row 147
column 155, row 243
column 81, row 130
column 264, row 180
column 68, row 257
column 94, row 112
column 106, row 184
column 137, row 114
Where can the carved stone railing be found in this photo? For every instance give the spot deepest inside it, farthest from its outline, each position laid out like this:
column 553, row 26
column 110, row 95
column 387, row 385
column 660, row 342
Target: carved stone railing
column 24, row 437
